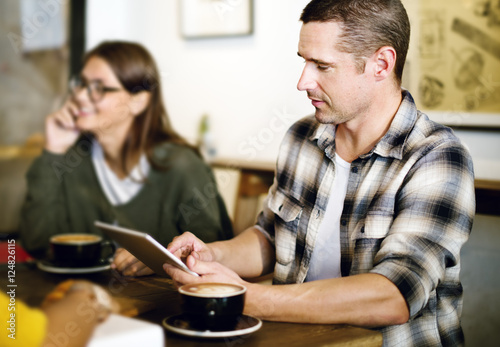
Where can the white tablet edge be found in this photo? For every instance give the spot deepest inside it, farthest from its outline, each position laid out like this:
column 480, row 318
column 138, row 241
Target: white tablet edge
column 171, row 256
column 158, row 245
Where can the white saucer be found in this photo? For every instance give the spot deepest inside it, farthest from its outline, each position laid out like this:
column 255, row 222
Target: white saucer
column 49, row 267
column 246, row 325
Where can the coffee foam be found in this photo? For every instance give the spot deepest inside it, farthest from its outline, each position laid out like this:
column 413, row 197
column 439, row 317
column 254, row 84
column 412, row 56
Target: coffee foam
column 212, row 289
column 76, row 238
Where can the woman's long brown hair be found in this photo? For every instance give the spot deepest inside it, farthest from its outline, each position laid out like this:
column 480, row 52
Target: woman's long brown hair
column 136, row 70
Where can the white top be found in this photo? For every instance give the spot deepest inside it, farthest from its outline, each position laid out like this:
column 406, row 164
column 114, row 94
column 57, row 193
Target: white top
column 325, row 259
column 118, row 191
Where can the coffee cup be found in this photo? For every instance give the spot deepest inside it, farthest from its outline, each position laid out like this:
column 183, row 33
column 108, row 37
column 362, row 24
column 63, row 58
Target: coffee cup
column 213, row 306
column 80, row 250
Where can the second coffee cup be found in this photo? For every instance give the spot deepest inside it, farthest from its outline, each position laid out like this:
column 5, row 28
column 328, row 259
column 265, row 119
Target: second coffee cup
column 80, row 250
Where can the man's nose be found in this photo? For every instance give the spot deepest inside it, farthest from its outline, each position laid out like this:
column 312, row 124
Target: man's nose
column 306, row 81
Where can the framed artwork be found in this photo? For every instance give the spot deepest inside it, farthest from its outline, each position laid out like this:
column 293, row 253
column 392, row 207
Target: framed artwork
column 454, row 62
column 215, row 18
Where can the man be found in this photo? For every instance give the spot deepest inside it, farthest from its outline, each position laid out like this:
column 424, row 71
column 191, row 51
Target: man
column 368, row 175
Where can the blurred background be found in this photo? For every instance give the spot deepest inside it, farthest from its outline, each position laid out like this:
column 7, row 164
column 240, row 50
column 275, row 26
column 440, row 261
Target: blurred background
column 229, row 71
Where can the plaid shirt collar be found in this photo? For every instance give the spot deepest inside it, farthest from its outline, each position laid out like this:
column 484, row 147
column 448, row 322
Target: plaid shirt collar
column 391, row 145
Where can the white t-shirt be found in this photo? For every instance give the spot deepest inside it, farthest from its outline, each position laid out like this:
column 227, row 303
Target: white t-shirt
column 118, row 191
column 325, row 259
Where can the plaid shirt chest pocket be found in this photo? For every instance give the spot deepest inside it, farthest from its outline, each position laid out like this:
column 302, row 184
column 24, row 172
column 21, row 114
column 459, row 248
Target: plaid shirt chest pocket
column 287, row 211
column 367, row 239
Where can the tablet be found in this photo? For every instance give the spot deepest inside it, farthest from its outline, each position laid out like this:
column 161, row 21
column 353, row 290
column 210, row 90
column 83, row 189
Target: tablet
column 144, row 247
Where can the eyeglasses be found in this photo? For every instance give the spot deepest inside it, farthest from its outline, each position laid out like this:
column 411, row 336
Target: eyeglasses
column 95, row 89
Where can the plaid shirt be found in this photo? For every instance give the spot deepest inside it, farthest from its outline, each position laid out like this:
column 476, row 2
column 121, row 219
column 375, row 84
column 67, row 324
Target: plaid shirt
column 408, row 210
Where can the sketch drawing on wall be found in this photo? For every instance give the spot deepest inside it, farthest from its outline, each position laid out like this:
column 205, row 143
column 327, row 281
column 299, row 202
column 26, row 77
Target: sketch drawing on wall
column 431, row 92
column 431, row 44
column 489, row 9
column 456, row 68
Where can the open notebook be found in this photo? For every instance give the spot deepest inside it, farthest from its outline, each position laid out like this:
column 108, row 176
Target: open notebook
column 127, row 332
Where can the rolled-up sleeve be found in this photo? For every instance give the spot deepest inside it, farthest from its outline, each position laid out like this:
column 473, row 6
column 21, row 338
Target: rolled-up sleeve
column 433, row 218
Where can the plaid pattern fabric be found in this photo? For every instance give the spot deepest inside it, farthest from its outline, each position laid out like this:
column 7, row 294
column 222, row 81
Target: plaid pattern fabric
column 408, row 210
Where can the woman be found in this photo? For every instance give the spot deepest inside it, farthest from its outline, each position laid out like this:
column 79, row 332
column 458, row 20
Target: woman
column 111, row 155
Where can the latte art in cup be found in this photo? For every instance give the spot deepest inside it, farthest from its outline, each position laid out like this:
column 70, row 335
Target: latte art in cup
column 212, row 290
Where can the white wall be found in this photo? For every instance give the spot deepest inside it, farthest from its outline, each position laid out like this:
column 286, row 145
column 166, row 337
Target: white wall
column 246, row 84
column 243, row 83
column 484, row 147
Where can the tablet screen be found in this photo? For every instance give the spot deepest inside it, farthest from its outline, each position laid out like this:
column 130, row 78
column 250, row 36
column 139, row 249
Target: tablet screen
column 144, row 247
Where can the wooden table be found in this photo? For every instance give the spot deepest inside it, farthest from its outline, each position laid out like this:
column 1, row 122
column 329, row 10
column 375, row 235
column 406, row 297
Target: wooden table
column 153, row 298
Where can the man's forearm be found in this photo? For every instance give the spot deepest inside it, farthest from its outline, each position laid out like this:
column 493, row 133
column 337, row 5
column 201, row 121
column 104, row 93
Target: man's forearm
column 249, row 254
column 369, row 300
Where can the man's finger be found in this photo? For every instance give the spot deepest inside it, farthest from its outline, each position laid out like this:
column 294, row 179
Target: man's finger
column 179, row 277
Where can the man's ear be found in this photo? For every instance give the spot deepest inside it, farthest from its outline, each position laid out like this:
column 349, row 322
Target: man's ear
column 385, row 60
column 139, row 102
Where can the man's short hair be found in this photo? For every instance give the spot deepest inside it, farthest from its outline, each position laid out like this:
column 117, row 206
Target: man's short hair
column 367, row 25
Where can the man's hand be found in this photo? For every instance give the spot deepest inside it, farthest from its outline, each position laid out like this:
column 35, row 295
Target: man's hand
column 200, row 258
column 209, row 271
column 128, row 265
column 187, row 244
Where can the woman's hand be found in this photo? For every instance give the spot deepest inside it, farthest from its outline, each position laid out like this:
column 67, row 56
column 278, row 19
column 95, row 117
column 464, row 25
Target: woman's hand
column 128, row 265
column 92, row 295
column 81, row 303
column 60, row 128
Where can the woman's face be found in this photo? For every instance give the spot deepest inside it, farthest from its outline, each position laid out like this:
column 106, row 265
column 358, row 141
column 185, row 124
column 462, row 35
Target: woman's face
column 109, row 115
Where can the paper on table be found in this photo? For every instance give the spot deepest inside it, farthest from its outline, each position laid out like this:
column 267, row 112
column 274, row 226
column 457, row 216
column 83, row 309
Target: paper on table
column 124, row 332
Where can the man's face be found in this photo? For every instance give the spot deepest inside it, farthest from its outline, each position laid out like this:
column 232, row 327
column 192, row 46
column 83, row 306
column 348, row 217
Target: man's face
column 338, row 91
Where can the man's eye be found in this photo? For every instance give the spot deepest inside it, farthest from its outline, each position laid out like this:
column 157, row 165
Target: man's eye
column 323, row 67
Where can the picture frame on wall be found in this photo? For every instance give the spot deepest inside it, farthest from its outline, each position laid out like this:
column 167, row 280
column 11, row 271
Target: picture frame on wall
column 454, row 63
column 215, row 18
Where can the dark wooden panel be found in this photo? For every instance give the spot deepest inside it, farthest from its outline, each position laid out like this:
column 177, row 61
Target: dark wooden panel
column 487, row 197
